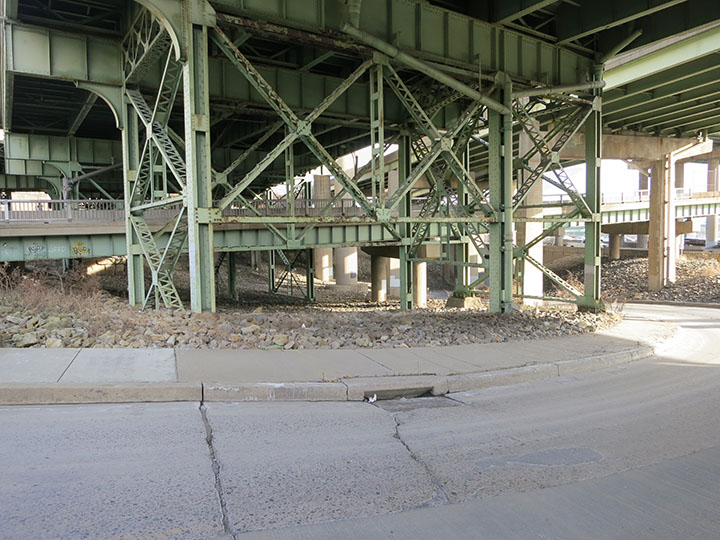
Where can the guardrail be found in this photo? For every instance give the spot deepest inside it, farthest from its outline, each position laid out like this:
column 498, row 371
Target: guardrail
column 48, row 211
column 639, row 196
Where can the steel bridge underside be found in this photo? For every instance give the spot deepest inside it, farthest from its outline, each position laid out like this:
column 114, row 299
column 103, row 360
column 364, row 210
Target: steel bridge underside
column 211, row 104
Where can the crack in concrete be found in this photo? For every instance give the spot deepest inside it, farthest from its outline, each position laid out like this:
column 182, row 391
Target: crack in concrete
column 227, row 526
column 440, row 497
column 449, row 397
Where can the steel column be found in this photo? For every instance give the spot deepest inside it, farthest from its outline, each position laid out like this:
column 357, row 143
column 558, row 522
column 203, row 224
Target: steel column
column 199, row 171
column 593, row 153
column 131, row 151
column 501, row 198
column 406, row 265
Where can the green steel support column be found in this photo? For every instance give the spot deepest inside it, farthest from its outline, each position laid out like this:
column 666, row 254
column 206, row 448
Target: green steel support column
column 199, row 180
column 271, row 271
column 290, row 185
column 232, row 275
column 406, row 296
column 462, row 253
column 310, row 275
column 135, row 260
column 593, row 152
column 501, row 193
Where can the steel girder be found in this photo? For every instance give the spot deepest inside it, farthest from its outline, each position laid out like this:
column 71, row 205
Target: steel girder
column 159, row 161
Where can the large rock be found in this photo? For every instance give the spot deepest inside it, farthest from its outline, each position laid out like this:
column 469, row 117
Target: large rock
column 25, row 340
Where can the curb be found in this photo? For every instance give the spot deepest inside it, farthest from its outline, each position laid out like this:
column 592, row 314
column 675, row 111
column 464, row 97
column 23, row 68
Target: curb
column 66, row 394
column 276, row 392
column 347, row 390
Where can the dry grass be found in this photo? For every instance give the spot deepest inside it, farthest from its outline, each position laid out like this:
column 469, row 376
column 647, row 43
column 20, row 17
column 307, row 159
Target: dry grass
column 52, row 292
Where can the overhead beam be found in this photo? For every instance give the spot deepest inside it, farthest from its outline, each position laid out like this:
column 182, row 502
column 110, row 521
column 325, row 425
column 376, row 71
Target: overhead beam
column 505, row 11
column 653, row 106
column 575, row 22
column 419, row 29
column 669, row 22
column 677, row 54
column 687, row 73
column 633, row 147
column 44, row 52
column 82, row 114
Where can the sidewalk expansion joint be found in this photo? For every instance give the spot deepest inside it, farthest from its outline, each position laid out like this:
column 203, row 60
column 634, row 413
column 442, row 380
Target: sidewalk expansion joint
column 68, row 366
column 215, row 463
column 440, row 497
column 373, row 360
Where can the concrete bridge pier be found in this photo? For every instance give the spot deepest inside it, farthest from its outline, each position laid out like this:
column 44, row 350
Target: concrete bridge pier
column 346, row 265
column 615, row 245
column 713, row 184
column 711, row 231
column 378, row 278
column 662, row 252
column 419, row 284
column 323, row 262
column 322, row 257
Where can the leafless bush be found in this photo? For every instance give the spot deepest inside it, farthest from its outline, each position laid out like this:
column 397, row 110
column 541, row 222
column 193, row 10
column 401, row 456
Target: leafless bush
column 9, row 277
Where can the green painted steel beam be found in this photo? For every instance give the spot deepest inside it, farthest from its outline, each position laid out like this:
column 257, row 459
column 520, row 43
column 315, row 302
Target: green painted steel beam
column 577, row 21
column 13, row 182
column 52, row 247
column 45, row 52
column 505, row 11
column 427, row 32
column 686, row 116
column 710, row 122
column 677, row 54
column 669, row 22
column 686, row 73
column 651, row 108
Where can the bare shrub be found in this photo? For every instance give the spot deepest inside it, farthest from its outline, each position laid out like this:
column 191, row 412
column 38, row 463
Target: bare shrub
column 9, row 277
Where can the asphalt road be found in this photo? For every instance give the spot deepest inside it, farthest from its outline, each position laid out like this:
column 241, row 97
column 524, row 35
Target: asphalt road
column 626, row 453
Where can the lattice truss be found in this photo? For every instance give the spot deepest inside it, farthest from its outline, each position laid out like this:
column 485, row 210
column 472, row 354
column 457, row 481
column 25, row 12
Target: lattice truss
column 562, row 116
column 160, row 167
column 454, row 204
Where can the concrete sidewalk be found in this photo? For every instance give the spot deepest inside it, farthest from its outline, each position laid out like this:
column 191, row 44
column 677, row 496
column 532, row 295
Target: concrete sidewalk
column 44, row 376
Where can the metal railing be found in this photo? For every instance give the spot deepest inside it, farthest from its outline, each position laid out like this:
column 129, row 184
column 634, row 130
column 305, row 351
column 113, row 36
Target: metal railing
column 48, row 211
column 629, row 197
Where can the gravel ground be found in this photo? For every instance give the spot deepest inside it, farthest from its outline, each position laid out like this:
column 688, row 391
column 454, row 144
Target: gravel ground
column 36, row 313
column 698, row 280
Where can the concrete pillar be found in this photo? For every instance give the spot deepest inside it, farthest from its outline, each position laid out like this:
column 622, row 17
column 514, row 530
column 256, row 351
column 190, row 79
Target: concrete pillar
column 642, row 241
column 393, row 264
column 680, row 176
column 711, row 223
column 615, row 242
column 378, row 278
column 419, row 284
column 559, row 237
column 323, row 263
column 532, row 277
column 322, row 257
column 346, row 265
column 394, row 277
column 713, row 175
column 711, row 229
column 662, row 251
